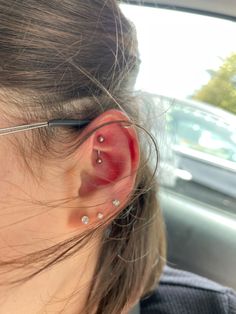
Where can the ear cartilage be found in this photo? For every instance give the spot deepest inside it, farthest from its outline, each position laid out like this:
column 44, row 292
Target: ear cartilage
column 116, row 203
column 99, row 159
column 85, row 220
column 101, row 139
column 100, row 216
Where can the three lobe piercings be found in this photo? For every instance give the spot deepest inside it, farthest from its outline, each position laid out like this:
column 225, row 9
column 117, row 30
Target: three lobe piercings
column 85, row 219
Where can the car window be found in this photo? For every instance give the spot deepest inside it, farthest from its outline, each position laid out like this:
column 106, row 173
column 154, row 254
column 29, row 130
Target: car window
column 202, row 132
column 188, row 73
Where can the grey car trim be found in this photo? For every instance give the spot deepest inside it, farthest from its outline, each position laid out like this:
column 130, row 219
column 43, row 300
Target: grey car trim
column 223, row 9
column 201, row 238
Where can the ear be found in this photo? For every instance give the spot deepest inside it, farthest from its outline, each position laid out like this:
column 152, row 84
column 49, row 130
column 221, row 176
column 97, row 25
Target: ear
column 107, row 163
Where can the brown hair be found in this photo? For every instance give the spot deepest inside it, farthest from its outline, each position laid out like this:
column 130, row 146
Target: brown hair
column 77, row 59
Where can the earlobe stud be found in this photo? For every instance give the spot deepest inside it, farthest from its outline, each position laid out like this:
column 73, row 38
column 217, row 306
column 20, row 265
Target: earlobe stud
column 116, row 203
column 100, row 216
column 85, row 220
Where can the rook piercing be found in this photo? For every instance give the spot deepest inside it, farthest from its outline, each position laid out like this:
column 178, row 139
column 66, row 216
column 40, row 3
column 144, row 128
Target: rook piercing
column 85, row 220
column 99, row 160
column 116, row 203
column 101, row 139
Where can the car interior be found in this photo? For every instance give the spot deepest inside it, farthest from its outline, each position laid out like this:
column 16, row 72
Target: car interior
column 185, row 47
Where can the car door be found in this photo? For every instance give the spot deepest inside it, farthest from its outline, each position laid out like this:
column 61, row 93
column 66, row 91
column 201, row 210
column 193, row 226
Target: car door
column 187, row 80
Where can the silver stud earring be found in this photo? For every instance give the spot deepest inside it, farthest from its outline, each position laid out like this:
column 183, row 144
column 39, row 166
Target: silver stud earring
column 99, row 159
column 116, row 203
column 100, row 139
column 85, row 220
column 100, row 216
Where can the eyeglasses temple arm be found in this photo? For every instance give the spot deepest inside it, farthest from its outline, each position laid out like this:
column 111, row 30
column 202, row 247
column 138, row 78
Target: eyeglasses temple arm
column 50, row 123
column 72, row 122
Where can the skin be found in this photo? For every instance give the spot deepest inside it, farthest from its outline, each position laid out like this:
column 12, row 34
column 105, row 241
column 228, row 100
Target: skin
column 27, row 227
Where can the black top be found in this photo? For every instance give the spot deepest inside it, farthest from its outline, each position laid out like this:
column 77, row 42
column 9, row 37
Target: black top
column 181, row 292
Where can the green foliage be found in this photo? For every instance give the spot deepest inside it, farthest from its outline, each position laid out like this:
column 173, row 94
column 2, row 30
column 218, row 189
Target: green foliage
column 221, row 88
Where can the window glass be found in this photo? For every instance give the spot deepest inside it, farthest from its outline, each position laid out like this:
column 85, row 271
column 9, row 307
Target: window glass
column 188, row 73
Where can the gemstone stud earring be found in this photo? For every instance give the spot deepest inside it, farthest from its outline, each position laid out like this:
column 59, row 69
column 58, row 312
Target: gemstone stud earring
column 85, row 220
column 100, row 215
column 99, row 159
column 101, row 139
column 116, row 203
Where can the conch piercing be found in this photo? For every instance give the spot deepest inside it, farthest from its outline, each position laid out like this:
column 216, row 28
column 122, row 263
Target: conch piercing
column 85, row 220
column 116, row 203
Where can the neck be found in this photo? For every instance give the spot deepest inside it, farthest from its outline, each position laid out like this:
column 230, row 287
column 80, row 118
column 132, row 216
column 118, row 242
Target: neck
column 64, row 286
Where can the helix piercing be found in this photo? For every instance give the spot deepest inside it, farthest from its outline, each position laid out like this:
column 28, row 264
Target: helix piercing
column 100, row 139
column 85, row 220
column 99, row 159
column 116, row 203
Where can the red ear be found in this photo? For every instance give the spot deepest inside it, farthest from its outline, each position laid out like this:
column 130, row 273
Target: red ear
column 119, row 153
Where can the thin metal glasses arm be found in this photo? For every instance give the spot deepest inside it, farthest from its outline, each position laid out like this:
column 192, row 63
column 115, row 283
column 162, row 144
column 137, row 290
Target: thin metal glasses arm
column 50, row 123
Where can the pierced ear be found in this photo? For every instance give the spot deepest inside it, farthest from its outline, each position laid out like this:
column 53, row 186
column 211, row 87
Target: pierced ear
column 110, row 159
column 114, row 158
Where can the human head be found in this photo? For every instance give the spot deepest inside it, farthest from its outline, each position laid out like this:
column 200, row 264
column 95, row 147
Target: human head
column 76, row 59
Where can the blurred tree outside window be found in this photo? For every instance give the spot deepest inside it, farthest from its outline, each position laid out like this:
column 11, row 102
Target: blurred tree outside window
column 221, row 88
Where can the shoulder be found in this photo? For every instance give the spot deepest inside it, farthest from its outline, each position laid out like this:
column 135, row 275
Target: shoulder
column 187, row 293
